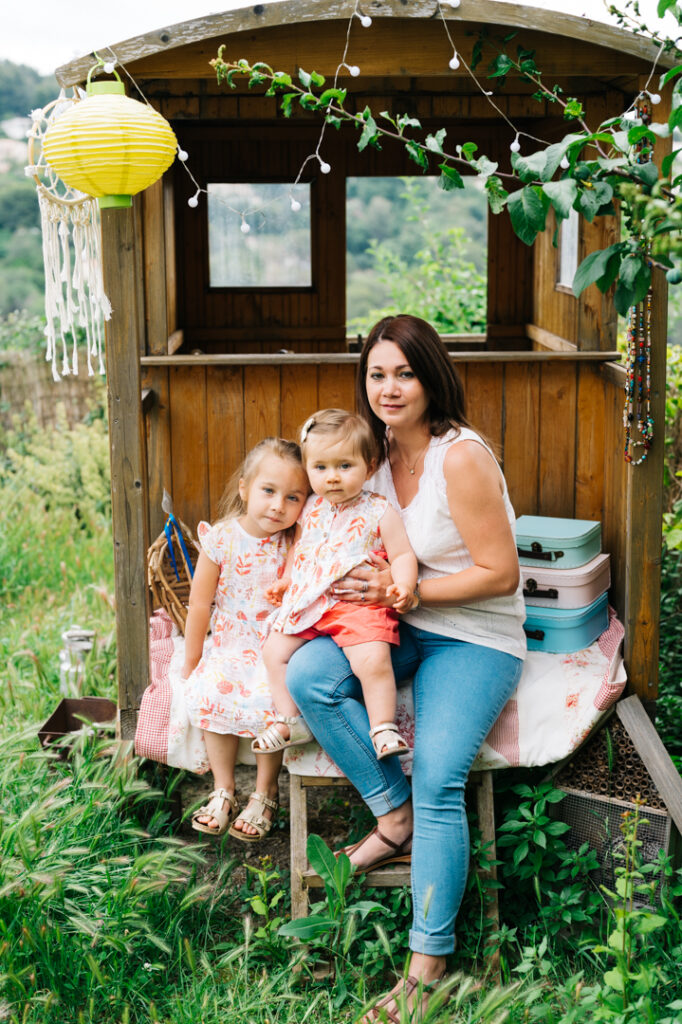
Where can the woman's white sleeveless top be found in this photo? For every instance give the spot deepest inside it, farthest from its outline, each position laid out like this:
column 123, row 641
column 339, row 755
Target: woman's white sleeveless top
column 494, row 622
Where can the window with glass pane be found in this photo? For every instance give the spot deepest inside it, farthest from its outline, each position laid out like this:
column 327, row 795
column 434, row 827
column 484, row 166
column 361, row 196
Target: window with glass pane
column 275, row 250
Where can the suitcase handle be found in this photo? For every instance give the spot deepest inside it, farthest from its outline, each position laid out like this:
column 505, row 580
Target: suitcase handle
column 531, row 590
column 537, row 552
column 534, row 634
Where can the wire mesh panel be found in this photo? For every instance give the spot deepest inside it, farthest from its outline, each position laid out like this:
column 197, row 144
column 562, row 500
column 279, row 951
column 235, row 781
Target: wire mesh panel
column 597, row 820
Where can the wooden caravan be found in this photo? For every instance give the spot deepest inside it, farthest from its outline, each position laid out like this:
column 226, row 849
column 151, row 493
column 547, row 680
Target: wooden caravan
column 199, row 370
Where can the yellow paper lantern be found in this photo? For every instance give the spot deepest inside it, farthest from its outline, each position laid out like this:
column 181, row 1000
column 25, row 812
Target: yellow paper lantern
column 110, row 146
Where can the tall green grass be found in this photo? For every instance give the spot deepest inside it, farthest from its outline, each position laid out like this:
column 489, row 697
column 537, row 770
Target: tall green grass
column 56, row 558
column 108, row 916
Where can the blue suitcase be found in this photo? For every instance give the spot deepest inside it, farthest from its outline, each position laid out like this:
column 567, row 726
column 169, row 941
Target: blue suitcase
column 564, row 630
column 559, row 543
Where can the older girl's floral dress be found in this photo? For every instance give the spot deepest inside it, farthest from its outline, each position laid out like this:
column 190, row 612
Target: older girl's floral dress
column 228, row 691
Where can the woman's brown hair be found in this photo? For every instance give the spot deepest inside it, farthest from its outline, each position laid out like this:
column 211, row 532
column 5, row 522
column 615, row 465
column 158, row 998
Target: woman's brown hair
column 429, row 360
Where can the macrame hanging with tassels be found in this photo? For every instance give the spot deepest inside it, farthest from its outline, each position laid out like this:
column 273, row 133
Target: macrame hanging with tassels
column 75, row 302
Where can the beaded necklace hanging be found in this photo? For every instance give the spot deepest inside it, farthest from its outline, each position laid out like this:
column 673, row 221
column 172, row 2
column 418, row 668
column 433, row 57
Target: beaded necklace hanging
column 637, row 410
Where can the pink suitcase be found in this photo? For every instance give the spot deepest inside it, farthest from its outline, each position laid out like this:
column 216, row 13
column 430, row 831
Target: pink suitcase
column 566, row 588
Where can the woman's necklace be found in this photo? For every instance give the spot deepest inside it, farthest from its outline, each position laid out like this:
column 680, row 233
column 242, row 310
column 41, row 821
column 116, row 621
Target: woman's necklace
column 411, row 469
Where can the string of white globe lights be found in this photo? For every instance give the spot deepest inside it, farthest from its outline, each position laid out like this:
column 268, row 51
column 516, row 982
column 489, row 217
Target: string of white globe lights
column 354, row 71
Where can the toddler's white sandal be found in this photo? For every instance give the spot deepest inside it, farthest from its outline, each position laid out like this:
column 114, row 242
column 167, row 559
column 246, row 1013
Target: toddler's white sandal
column 387, row 741
column 271, row 741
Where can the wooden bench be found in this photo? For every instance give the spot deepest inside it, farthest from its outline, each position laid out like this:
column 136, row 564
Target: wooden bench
column 480, row 784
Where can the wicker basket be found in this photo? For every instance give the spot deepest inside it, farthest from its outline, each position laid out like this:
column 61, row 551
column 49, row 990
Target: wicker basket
column 168, row 591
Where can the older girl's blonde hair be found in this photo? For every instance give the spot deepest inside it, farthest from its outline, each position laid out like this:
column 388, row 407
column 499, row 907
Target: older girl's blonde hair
column 343, row 426
column 231, row 503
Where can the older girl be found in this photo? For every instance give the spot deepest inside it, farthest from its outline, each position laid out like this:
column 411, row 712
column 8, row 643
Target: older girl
column 228, row 694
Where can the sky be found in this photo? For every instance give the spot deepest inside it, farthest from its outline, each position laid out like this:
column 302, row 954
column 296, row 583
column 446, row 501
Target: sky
column 47, row 33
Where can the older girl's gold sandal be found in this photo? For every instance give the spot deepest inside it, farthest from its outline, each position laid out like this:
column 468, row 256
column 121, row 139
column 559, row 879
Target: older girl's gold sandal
column 253, row 815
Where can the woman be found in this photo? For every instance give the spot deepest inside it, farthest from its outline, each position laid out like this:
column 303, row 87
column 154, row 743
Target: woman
column 463, row 639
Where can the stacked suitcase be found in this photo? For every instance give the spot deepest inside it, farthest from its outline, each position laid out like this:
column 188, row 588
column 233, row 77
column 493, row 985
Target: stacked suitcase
column 565, row 582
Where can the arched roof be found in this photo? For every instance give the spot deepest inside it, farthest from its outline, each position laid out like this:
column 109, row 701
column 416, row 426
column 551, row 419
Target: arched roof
column 293, row 12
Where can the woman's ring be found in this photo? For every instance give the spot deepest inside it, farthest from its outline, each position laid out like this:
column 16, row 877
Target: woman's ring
column 362, row 597
column 365, row 586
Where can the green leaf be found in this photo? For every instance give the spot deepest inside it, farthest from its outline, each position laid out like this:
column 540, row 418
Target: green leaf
column 540, row 839
column 650, row 923
column 408, row 122
column 530, row 168
column 333, row 94
column 633, row 283
column 502, row 65
column 528, row 211
column 258, row 906
column 647, row 173
column 675, row 119
column 663, row 6
column 369, row 132
column 317, row 79
column 305, row 928
column 573, row 109
column 281, row 79
column 611, row 163
column 468, row 150
column 321, row 858
column 304, row 78
column 342, row 872
column 668, row 161
column 557, row 828
column 287, row 100
column 614, row 979
column 484, row 166
column 639, row 132
column 449, row 178
column 610, row 274
column 520, row 853
column 593, row 267
column 562, row 195
column 365, row 907
column 670, row 73
column 434, row 143
column 416, row 153
column 522, row 789
column 497, row 194
column 592, row 199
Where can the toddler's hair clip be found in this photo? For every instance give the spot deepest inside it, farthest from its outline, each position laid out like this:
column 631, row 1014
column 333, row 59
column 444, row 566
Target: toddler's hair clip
column 307, row 427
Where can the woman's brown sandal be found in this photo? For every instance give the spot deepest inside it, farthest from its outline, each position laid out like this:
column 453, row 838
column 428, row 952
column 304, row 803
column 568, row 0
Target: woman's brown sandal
column 402, row 852
column 253, row 814
column 215, row 808
column 381, row 1012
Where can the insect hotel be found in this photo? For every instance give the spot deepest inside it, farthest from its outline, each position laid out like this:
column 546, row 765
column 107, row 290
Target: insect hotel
column 202, row 362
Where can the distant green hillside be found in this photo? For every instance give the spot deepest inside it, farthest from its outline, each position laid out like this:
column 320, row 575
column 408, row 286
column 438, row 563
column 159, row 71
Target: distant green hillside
column 22, row 89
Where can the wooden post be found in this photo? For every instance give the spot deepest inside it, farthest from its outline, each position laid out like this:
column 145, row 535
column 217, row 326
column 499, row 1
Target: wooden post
column 298, row 824
column 645, row 498
column 128, row 477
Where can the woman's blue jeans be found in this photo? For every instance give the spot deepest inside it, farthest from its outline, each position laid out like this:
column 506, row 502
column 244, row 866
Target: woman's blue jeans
column 459, row 690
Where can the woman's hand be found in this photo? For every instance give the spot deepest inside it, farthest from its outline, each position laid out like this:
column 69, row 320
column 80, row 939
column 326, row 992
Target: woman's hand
column 366, row 584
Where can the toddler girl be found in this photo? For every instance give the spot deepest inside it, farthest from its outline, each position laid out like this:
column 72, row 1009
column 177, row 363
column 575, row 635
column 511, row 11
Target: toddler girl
column 341, row 526
column 227, row 692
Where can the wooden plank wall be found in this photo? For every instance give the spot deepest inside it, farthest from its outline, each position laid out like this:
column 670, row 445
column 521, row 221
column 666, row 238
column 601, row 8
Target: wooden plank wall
column 555, row 425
